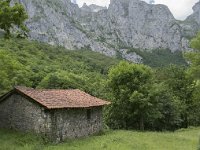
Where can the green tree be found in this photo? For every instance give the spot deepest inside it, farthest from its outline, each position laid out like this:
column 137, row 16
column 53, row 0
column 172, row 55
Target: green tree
column 140, row 100
column 194, row 73
column 130, row 84
column 12, row 16
column 194, row 58
column 12, row 72
column 63, row 80
column 167, row 108
column 181, row 86
column 194, row 111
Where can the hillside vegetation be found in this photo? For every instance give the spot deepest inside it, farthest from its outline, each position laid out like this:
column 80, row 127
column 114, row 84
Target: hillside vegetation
column 35, row 64
column 160, row 57
column 119, row 140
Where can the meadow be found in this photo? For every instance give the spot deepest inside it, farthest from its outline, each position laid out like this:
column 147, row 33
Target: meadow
column 183, row 139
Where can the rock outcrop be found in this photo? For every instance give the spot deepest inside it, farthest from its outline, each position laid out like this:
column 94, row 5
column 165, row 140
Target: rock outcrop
column 134, row 23
column 92, row 8
column 96, row 8
column 56, row 23
column 195, row 17
column 125, row 24
column 192, row 23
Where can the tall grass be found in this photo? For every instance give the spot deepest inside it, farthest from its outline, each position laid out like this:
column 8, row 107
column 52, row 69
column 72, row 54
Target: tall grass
column 11, row 140
column 111, row 140
column 199, row 144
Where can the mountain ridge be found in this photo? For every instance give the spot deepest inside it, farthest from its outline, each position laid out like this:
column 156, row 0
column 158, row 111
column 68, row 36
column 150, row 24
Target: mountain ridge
column 125, row 24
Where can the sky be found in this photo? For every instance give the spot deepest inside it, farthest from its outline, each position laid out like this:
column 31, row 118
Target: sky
column 180, row 8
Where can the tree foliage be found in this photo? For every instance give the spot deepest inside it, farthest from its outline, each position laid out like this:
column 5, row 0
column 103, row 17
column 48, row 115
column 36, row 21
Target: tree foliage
column 12, row 16
column 194, row 73
column 181, row 86
column 130, row 84
column 12, row 72
column 40, row 65
column 140, row 102
column 194, row 58
column 165, row 99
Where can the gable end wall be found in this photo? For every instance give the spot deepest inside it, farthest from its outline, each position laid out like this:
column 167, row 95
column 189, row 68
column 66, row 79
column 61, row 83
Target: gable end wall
column 19, row 113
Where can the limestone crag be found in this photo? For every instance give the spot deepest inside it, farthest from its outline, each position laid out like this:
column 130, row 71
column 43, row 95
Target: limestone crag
column 125, row 24
column 92, row 8
column 195, row 17
column 55, row 22
column 192, row 23
column 96, row 8
column 130, row 56
column 134, row 23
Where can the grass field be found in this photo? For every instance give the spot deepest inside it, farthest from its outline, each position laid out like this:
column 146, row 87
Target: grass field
column 186, row 139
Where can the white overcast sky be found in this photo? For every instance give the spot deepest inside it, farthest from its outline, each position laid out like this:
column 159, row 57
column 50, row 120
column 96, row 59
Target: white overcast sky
column 180, row 8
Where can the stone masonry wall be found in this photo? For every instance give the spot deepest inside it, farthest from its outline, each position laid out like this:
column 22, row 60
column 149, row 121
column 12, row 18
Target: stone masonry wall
column 19, row 113
column 73, row 123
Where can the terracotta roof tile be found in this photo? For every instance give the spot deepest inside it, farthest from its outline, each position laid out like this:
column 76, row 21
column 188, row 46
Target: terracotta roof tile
column 53, row 99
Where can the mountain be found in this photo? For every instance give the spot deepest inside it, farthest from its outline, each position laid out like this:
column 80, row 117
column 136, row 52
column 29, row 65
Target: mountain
column 134, row 23
column 92, row 8
column 192, row 22
column 195, row 17
column 124, row 25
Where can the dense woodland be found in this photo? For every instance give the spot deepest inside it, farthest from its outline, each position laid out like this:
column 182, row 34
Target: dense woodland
column 145, row 98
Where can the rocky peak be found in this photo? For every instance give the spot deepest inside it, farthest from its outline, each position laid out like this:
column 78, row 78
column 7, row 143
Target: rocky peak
column 92, row 8
column 125, row 24
column 192, row 23
column 119, row 7
column 195, row 17
column 145, row 26
column 86, row 8
column 96, row 8
column 196, row 7
column 122, row 1
column 132, row 7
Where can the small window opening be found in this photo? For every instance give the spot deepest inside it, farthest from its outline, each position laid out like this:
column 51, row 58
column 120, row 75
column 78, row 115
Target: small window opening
column 88, row 114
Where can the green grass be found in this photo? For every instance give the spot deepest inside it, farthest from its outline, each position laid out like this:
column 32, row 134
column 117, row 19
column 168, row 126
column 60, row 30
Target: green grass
column 185, row 139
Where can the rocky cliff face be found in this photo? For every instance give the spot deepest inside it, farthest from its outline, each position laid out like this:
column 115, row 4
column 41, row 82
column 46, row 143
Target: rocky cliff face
column 192, row 23
column 134, row 23
column 125, row 24
column 195, row 17
column 92, row 8
column 56, row 23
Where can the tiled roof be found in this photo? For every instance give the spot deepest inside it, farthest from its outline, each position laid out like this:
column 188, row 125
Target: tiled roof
column 54, row 99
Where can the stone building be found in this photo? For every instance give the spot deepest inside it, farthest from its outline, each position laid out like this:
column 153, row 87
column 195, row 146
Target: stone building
column 57, row 114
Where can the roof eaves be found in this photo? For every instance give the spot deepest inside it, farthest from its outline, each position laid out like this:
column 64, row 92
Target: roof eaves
column 3, row 97
column 30, row 98
column 22, row 93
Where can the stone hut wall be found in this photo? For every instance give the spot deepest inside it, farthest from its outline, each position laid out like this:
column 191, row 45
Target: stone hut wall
column 19, row 113
column 73, row 123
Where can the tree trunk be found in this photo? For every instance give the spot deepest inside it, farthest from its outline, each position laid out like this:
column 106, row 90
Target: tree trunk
column 7, row 34
column 185, row 121
column 141, row 123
